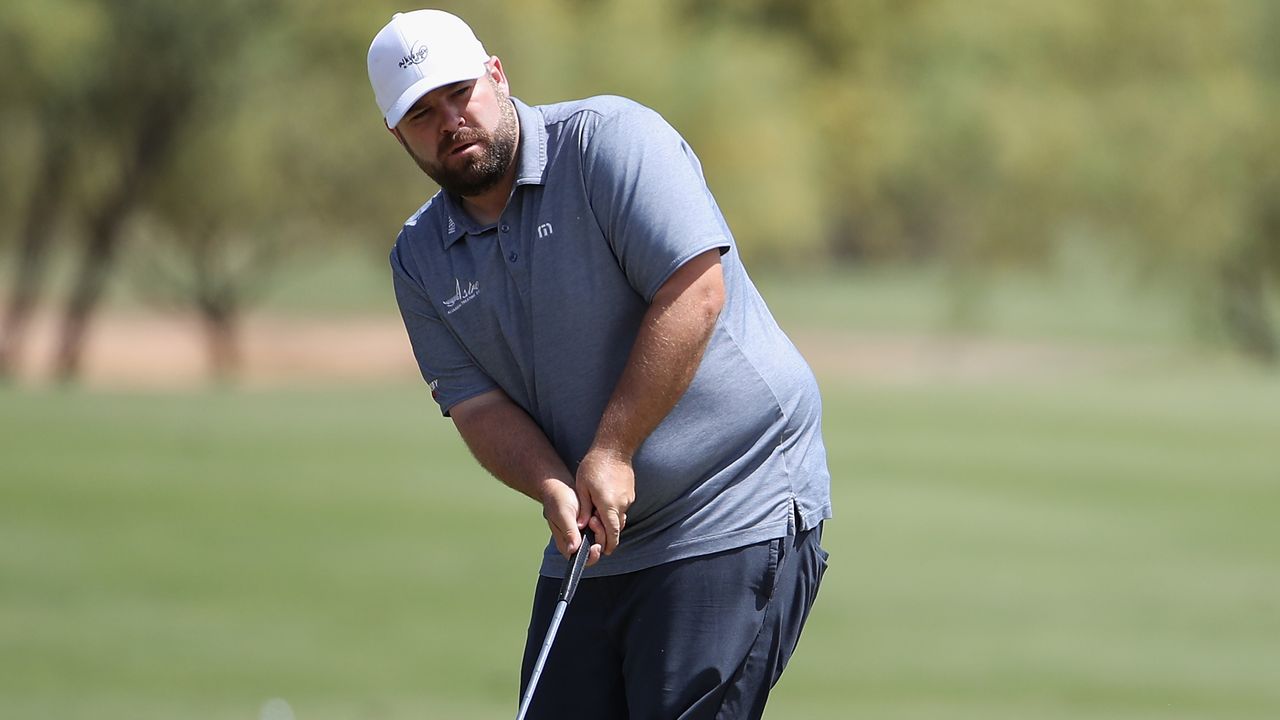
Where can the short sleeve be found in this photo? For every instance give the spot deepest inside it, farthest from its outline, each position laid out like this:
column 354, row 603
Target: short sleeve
column 448, row 368
column 647, row 191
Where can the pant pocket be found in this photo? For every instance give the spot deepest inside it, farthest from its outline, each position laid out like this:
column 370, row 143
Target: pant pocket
column 773, row 564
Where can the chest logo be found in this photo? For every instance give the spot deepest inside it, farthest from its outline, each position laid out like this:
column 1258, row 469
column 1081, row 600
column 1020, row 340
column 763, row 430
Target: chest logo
column 544, row 230
column 461, row 296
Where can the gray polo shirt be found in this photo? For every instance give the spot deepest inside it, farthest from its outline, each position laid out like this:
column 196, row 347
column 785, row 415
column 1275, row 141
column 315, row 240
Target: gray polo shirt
column 545, row 304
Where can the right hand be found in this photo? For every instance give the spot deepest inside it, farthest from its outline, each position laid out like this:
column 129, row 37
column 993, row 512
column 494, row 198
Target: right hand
column 606, row 487
column 560, row 508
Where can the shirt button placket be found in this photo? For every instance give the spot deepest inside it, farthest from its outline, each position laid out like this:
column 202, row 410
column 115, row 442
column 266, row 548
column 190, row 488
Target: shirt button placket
column 506, row 231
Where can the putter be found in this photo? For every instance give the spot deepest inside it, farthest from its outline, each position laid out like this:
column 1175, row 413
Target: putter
column 567, row 587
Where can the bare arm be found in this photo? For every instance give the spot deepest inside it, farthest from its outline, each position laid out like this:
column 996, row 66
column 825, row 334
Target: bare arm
column 668, row 349
column 511, row 446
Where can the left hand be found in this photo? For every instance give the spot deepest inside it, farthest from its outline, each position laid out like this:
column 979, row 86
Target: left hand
column 560, row 508
column 606, row 486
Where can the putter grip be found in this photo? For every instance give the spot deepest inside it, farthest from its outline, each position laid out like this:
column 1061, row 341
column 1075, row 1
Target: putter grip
column 571, row 577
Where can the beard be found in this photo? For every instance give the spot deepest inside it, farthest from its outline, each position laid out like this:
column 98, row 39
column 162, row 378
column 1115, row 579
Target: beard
column 479, row 173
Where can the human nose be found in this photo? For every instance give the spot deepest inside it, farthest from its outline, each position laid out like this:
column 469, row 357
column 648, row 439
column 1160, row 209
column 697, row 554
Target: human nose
column 451, row 117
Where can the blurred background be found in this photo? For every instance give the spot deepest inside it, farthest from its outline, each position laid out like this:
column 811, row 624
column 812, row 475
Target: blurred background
column 1032, row 250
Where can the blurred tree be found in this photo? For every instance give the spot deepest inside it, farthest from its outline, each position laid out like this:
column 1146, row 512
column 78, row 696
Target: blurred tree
column 970, row 134
column 1186, row 168
column 154, row 63
column 44, row 47
column 35, row 235
column 115, row 90
column 980, row 134
column 228, row 208
column 1252, row 272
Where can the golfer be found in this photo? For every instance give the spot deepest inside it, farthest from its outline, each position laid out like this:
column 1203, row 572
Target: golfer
column 578, row 307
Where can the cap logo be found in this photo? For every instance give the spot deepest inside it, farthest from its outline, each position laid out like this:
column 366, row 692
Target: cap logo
column 417, row 55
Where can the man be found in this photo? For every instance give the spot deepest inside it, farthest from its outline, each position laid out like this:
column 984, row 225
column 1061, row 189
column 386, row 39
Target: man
column 577, row 305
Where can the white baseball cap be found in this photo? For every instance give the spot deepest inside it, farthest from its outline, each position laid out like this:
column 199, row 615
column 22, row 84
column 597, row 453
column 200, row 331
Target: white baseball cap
column 418, row 52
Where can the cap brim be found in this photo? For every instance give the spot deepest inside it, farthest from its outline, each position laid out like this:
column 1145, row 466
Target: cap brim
column 437, row 79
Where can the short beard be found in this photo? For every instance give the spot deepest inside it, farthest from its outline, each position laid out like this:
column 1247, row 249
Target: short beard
column 486, row 170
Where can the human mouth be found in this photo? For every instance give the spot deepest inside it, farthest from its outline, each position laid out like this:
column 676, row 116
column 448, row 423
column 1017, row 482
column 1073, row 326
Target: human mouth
column 461, row 148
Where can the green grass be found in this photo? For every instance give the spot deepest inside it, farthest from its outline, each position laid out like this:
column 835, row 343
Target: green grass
column 1103, row 549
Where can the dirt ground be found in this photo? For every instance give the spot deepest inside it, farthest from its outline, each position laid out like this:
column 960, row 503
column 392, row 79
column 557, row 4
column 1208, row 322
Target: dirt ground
column 155, row 351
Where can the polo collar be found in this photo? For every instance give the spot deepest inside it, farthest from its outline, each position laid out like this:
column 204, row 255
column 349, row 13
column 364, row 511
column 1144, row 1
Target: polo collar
column 531, row 166
column 531, row 157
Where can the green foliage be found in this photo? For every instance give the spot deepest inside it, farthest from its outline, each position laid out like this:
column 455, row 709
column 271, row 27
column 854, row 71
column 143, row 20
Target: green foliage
column 992, row 133
column 974, row 134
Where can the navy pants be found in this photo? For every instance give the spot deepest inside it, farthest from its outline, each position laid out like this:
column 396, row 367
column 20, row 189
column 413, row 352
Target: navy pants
column 698, row 639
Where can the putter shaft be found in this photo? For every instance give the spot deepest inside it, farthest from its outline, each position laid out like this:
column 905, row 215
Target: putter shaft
column 568, row 587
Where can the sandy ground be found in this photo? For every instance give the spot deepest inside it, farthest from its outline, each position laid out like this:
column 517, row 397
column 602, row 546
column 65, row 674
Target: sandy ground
column 168, row 351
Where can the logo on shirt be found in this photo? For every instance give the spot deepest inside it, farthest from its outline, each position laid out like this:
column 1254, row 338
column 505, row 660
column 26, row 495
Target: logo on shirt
column 544, row 230
column 452, row 227
column 461, row 296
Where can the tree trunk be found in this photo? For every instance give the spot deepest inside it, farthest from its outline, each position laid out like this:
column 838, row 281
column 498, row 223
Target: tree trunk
column 220, row 324
column 1245, row 310
column 91, row 277
column 152, row 141
column 33, row 252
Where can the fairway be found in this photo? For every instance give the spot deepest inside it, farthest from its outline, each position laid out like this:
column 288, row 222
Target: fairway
column 1101, row 548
